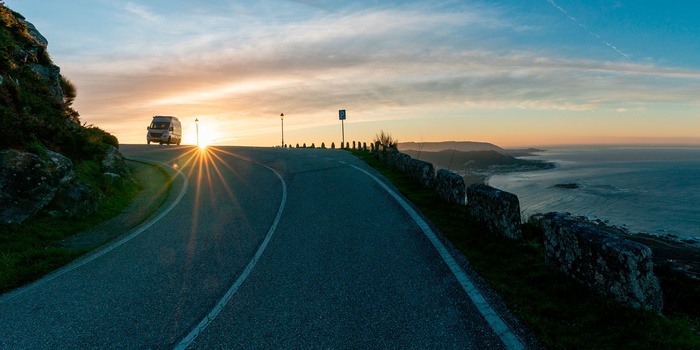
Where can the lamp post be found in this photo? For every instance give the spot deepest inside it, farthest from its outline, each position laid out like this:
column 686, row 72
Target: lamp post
column 282, row 120
column 196, row 124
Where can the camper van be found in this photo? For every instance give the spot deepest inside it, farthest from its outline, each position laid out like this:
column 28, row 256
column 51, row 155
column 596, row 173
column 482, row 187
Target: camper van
column 164, row 129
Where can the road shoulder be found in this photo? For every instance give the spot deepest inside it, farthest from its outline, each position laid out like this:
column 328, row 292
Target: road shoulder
column 155, row 182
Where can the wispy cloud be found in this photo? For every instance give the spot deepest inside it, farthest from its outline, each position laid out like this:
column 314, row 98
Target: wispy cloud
column 378, row 63
column 141, row 11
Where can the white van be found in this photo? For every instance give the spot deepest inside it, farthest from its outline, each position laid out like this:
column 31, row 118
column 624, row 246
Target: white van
column 164, row 129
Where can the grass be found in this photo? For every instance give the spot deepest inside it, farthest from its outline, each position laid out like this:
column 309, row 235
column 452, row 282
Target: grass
column 33, row 249
column 561, row 313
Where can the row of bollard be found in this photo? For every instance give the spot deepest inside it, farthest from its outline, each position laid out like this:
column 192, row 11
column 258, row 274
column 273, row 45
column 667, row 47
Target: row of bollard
column 355, row 145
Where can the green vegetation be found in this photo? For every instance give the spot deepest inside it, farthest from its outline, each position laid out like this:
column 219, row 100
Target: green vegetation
column 561, row 313
column 33, row 118
column 33, row 249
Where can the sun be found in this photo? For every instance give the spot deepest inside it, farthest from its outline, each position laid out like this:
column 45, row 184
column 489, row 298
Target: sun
column 205, row 136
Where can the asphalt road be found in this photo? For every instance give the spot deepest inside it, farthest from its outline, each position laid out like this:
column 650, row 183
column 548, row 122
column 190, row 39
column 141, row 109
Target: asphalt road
column 259, row 248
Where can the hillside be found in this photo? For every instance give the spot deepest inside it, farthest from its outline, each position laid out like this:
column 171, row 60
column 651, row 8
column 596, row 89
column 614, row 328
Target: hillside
column 48, row 160
column 464, row 146
column 35, row 98
column 476, row 166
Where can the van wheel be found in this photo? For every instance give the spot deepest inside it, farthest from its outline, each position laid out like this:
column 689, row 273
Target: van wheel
column 178, row 142
column 160, row 143
column 148, row 142
column 168, row 141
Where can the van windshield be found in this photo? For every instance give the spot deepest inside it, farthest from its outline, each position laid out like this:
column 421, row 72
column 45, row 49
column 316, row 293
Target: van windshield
column 160, row 125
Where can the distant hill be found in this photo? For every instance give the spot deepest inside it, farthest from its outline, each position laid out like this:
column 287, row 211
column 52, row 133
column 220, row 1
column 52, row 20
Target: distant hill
column 464, row 146
column 476, row 166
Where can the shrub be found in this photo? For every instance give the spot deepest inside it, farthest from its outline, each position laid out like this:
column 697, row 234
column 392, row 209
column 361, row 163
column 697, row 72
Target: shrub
column 69, row 90
column 387, row 140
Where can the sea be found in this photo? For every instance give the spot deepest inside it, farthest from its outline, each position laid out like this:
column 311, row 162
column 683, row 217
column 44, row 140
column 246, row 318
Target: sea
column 641, row 189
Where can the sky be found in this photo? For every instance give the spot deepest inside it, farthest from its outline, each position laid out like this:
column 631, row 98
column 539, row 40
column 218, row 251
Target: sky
column 511, row 72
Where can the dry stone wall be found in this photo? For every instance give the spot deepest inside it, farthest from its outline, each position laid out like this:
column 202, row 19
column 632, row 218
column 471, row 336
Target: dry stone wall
column 608, row 264
column 450, row 187
column 498, row 210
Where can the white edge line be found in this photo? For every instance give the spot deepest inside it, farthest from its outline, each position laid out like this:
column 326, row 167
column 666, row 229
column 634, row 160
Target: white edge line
column 109, row 248
column 509, row 339
column 187, row 340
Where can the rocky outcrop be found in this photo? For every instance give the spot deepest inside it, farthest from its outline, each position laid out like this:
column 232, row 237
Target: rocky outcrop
column 498, row 210
column 115, row 163
column 29, row 182
column 32, row 53
column 606, row 263
column 450, row 187
column 76, row 200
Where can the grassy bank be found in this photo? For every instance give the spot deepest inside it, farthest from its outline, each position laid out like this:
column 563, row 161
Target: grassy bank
column 561, row 313
column 35, row 248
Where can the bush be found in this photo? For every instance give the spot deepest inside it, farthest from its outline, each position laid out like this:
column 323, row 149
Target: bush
column 69, row 90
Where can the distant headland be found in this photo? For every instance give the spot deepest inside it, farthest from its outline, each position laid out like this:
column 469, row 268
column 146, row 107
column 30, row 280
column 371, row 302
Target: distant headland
column 475, row 161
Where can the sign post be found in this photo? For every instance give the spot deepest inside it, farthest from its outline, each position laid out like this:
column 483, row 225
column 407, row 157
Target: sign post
column 342, row 116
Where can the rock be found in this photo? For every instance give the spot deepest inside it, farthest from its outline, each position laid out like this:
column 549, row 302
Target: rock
column 450, row 187
column 34, row 33
column 115, row 163
column 570, row 186
column 498, row 210
column 75, row 200
column 52, row 75
column 606, row 263
column 29, row 182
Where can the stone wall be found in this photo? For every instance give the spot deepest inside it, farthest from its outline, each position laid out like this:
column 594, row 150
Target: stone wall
column 498, row 210
column 608, row 264
column 602, row 261
column 450, row 187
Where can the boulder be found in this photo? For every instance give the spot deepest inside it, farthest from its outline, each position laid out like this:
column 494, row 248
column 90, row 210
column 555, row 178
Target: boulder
column 608, row 264
column 75, row 200
column 29, row 182
column 115, row 163
column 498, row 210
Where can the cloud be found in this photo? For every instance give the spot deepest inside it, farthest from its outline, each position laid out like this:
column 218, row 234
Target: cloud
column 141, row 11
column 378, row 63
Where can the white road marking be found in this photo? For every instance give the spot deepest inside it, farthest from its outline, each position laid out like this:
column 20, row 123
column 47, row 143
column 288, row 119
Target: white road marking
column 499, row 327
column 187, row 340
column 90, row 257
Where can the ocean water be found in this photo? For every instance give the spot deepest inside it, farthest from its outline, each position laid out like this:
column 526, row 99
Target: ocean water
column 650, row 190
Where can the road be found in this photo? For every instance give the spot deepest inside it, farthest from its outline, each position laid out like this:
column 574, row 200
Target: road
column 259, row 248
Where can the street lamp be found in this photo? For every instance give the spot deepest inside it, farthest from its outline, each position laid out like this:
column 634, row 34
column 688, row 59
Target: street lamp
column 196, row 124
column 282, row 120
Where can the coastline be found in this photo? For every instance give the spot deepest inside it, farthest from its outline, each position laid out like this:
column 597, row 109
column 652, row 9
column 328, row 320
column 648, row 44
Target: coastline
column 646, row 191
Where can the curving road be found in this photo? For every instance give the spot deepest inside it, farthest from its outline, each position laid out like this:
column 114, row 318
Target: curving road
column 260, row 248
